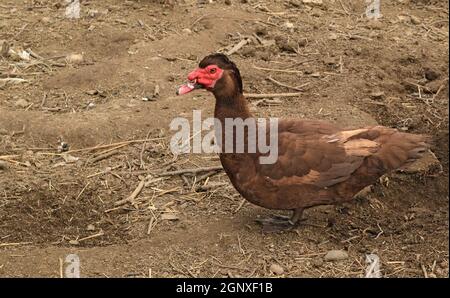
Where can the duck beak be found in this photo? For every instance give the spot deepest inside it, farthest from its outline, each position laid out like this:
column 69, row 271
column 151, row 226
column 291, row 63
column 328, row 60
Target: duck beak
column 183, row 89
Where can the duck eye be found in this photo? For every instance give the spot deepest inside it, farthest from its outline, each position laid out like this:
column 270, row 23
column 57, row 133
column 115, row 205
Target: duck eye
column 212, row 70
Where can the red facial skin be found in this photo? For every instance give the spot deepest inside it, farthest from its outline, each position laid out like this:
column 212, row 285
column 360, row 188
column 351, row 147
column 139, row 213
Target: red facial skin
column 207, row 76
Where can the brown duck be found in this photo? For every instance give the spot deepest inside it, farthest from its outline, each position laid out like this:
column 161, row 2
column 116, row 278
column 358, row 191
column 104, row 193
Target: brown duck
column 318, row 163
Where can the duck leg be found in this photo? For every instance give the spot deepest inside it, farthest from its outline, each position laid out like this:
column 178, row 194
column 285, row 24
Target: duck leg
column 278, row 223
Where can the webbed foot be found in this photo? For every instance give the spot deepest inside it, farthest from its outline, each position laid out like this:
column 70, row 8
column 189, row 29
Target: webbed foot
column 278, row 223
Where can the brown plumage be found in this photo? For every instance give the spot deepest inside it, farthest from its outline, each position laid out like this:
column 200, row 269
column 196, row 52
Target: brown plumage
column 318, row 163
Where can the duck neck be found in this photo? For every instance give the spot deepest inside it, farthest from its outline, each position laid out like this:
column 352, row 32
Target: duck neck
column 234, row 106
column 228, row 110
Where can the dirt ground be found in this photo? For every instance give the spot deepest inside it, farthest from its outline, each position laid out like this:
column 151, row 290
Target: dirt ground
column 84, row 85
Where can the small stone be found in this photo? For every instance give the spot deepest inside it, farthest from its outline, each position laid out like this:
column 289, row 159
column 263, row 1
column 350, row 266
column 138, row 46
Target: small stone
column 3, row 131
column 333, row 36
column 187, row 31
column 92, row 13
column 377, row 95
column 3, row 165
column 302, row 42
column 74, row 242
column 335, row 255
column 92, row 92
column 261, row 31
column 289, row 25
column 21, row 103
column 228, row 2
column 316, row 12
column 276, row 269
column 90, row 227
column 75, row 58
column 169, row 216
column 415, row 20
column 431, row 75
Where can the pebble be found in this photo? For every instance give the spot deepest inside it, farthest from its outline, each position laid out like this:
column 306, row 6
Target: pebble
column 90, row 227
column 415, row 20
column 3, row 131
column 276, row 269
column 335, row 255
column 3, row 165
column 75, row 58
column 431, row 75
column 21, row 103
column 187, row 31
column 92, row 13
column 302, row 42
column 92, row 92
column 315, row 12
column 261, row 31
column 74, row 242
column 377, row 95
column 169, row 216
column 289, row 25
column 333, row 36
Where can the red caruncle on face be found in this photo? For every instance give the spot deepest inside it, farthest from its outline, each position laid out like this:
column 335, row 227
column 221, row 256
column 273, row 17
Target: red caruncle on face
column 207, row 76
